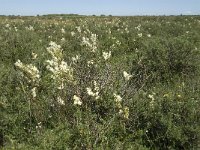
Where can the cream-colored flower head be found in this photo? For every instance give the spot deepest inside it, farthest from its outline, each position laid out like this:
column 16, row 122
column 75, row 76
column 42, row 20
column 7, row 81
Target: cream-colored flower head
column 106, row 55
column 127, row 76
column 77, row 100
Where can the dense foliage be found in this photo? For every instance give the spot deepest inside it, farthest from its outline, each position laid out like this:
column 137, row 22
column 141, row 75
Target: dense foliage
column 76, row 82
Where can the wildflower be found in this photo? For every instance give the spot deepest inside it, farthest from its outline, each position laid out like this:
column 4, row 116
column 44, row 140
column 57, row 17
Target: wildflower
column 57, row 66
column 140, row 35
column 39, row 125
column 96, row 88
column 33, row 92
column 90, row 62
column 63, row 31
column 90, row 43
column 31, row 72
column 78, row 29
column 63, row 40
column 148, row 35
column 151, row 97
column 75, row 59
column 7, row 25
column 117, row 98
column 89, row 91
column 60, row 100
column 127, row 76
column 138, row 27
column 72, row 33
column 166, row 95
column 30, row 28
column 118, row 42
column 61, row 87
column 106, row 55
column 34, row 55
column 77, row 100
column 126, row 112
column 95, row 92
column 121, row 111
column 16, row 29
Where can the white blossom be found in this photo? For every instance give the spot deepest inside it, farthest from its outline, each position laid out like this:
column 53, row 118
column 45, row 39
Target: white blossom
column 148, row 35
column 77, row 100
column 33, row 92
column 89, row 91
column 140, row 34
column 78, row 29
column 118, row 98
column 34, row 55
column 60, row 100
column 90, row 62
column 127, row 76
column 72, row 33
column 75, row 58
column 31, row 72
column 106, row 55
column 63, row 31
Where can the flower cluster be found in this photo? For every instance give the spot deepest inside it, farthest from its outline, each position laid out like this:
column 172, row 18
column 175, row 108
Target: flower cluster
column 60, row 70
column 77, row 100
column 30, row 72
column 127, row 76
column 122, row 110
column 91, row 42
column 94, row 92
column 106, row 55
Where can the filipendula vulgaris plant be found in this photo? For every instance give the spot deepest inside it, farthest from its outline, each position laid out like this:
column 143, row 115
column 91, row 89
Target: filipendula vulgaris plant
column 88, row 88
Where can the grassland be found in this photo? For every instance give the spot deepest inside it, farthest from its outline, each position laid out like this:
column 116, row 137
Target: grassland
column 77, row 82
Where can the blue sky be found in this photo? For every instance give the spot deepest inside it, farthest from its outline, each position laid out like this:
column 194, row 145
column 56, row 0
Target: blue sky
column 89, row 7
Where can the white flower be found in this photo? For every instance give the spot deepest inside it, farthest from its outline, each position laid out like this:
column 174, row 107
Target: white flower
column 7, row 25
column 151, row 97
column 140, row 34
column 94, row 94
column 61, row 87
column 121, row 111
column 96, row 88
column 78, row 29
column 77, row 100
column 60, row 100
column 127, row 76
column 34, row 55
column 62, row 30
column 126, row 112
column 148, row 35
column 89, row 91
column 106, row 55
column 18, row 63
column 90, row 62
column 90, row 43
column 63, row 40
column 33, row 92
column 118, row 98
column 75, row 59
column 31, row 72
column 30, row 28
column 72, row 33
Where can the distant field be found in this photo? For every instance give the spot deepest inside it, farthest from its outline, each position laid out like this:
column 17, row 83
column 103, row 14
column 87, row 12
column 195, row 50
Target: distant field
column 89, row 82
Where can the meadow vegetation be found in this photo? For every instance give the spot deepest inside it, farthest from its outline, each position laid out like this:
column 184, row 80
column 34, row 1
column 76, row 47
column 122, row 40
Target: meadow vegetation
column 77, row 82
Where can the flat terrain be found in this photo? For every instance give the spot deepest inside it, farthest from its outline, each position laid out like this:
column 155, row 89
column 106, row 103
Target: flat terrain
column 88, row 82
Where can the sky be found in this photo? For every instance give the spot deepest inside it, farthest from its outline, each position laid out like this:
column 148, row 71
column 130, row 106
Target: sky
column 98, row 7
